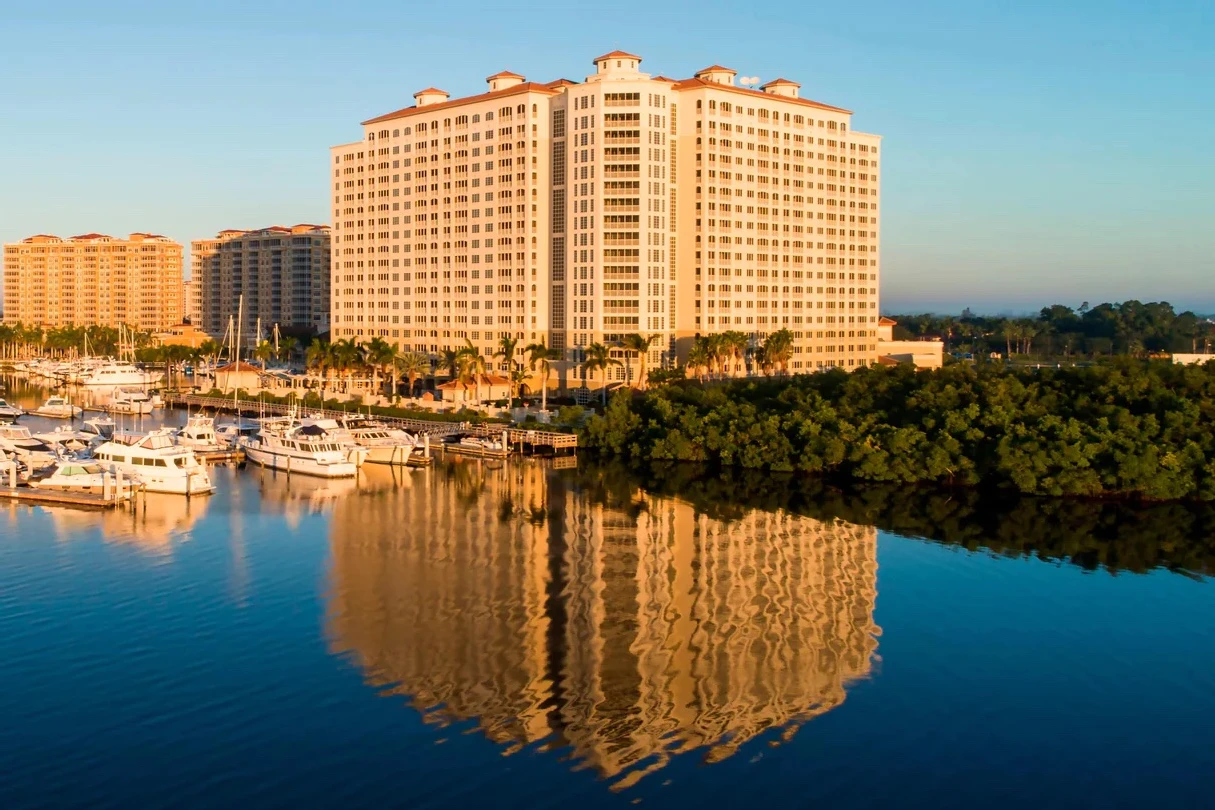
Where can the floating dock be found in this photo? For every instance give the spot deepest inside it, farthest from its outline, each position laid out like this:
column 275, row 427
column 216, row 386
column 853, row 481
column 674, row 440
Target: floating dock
column 236, row 456
column 51, row 497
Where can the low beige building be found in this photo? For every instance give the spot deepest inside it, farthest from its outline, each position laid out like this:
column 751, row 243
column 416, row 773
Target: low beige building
column 919, row 353
column 1192, row 359
column 182, row 334
column 492, row 388
column 94, row 279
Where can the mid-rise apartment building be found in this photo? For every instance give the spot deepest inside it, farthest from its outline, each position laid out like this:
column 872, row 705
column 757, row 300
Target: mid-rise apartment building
column 271, row 276
column 579, row 212
column 94, row 279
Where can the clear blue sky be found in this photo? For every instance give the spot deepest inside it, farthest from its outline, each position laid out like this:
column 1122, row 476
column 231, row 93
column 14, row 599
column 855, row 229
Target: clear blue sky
column 1035, row 152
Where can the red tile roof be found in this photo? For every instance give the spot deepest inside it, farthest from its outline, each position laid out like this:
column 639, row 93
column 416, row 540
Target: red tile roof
column 886, row 322
column 779, row 82
column 561, row 83
column 429, row 90
column 92, row 236
column 518, row 89
column 690, row 84
column 716, row 69
column 616, row 55
column 241, row 368
column 506, row 74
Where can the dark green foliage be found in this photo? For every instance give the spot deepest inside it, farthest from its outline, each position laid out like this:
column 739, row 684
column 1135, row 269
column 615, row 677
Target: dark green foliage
column 1125, row 429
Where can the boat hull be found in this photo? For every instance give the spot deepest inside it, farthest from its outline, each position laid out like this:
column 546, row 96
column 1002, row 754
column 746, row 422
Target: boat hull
column 296, row 464
column 390, row 454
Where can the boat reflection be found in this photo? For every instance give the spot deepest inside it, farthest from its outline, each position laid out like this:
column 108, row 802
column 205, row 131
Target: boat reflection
column 155, row 524
column 627, row 630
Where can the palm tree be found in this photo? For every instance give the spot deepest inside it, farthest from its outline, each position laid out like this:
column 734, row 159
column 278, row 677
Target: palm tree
column 263, row 352
column 599, row 358
column 345, row 356
column 778, row 347
column 412, row 365
column 319, row 358
column 699, row 357
column 473, row 364
column 733, row 347
column 506, row 351
column 639, row 345
column 449, row 361
column 379, row 354
column 286, row 348
column 543, row 356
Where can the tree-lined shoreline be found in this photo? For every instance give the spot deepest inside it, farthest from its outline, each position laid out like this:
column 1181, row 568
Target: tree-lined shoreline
column 1122, row 429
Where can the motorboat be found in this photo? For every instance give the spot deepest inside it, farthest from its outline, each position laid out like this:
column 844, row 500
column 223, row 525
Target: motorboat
column 115, row 375
column 67, row 440
column 73, row 475
column 10, row 413
column 57, row 408
column 97, row 429
column 233, row 434
column 281, row 444
column 17, row 440
column 198, row 434
column 476, row 446
column 132, row 401
column 157, row 460
column 384, row 444
column 337, row 433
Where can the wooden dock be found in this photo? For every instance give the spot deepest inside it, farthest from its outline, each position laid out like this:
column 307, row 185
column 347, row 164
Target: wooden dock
column 26, row 494
column 522, row 441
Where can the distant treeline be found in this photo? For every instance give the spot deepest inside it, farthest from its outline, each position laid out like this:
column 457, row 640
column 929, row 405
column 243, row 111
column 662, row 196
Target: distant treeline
column 1128, row 429
column 1131, row 328
column 1115, row 536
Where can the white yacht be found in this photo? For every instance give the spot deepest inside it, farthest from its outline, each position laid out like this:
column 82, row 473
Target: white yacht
column 198, row 434
column 337, row 433
column 233, row 435
column 67, row 440
column 81, row 476
column 475, row 446
column 97, row 429
column 58, row 408
column 384, row 444
column 115, row 375
column 306, row 449
column 158, row 461
column 132, row 401
column 10, row 413
column 16, row 440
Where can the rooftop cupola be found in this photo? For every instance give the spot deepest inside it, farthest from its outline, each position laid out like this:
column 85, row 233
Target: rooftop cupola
column 503, row 80
column 717, row 75
column 430, row 96
column 617, row 62
column 781, row 87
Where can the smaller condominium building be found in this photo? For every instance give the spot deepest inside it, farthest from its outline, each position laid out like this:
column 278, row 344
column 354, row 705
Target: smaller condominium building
column 281, row 273
column 94, row 279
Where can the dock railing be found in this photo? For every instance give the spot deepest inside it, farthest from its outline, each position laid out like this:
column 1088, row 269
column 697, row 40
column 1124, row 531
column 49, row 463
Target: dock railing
column 516, row 437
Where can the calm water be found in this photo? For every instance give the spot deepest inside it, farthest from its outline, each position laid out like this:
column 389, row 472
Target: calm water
column 522, row 636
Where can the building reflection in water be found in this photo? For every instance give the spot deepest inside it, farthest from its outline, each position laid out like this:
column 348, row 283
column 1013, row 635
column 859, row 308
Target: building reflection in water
column 628, row 633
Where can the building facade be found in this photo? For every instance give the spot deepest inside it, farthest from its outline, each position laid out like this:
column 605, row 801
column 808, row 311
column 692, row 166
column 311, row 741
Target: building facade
column 191, row 296
column 94, row 279
column 580, row 212
column 281, row 273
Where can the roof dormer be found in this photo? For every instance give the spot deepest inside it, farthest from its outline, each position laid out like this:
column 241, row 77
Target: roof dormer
column 503, row 80
column 781, row 87
column 430, row 96
column 717, row 75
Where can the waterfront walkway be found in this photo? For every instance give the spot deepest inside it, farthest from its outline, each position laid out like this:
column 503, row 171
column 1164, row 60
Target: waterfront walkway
column 520, row 440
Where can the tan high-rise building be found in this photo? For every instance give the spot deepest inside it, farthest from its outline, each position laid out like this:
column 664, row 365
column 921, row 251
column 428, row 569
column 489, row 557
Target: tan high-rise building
column 191, row 296
column 282, row 274
column 94, row 279
column 581, row 212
